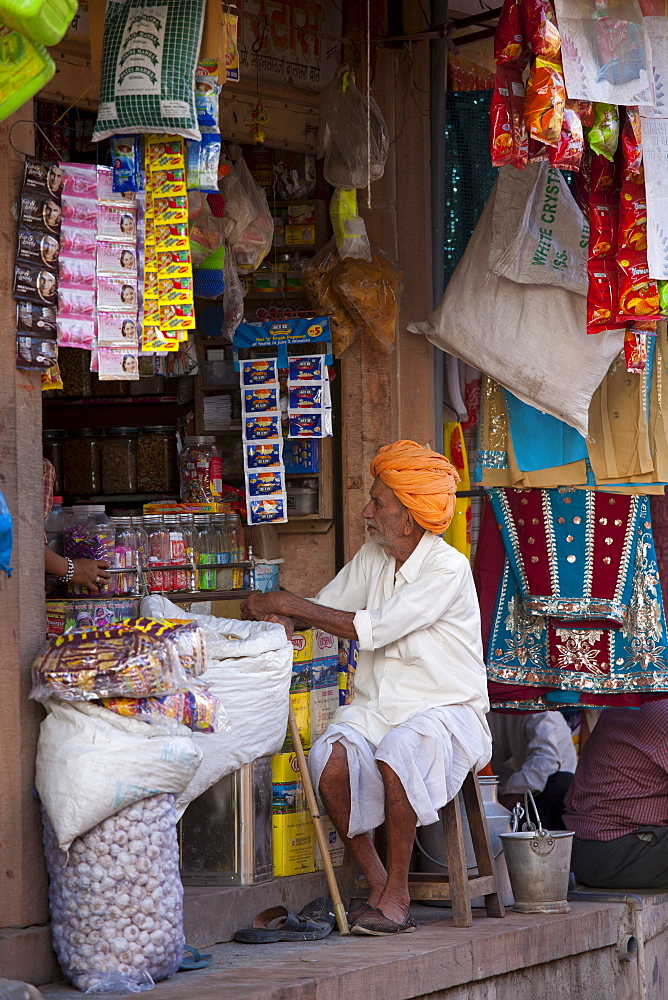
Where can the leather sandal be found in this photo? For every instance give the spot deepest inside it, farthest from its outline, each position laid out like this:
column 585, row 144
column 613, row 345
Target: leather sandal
column 278, row 924
column 371, row 921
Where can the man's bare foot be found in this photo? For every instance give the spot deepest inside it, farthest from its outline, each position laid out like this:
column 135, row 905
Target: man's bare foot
column 393, row 905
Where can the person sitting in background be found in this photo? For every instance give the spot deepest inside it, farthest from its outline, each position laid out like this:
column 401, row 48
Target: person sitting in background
column 617, row 804
column 533, row 752
column 86, row 572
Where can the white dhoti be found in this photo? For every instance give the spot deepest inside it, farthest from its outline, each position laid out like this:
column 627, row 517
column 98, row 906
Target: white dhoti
column 432, row 752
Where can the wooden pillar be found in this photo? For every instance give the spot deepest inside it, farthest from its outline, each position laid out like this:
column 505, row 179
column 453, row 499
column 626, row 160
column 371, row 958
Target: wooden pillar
column 387, row 396
column 22, row 875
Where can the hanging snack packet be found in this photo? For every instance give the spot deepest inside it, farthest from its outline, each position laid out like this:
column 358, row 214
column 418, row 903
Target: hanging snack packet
column 262, row 456
column 603, row 178
column 567, row 154
column 604, row 134
column 663, row 297
column 148, row 68
column 545, row 101
column 508, row 134
column 586, row 112
column 632, row 217
column 603, row 220
column 638, row 294
column 264, row 482
column 510, row 47
column 259, row 371
column 267, row 509
column 632, row 148
column 601, row 296
column 260, row 400
column 636, row 351
column 125, row 163
column 207, row 91
column 539, row 25
column 261, row 427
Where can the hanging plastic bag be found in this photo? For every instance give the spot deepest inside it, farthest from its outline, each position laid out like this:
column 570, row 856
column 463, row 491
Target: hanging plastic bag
column 6, row 537
column 354, row 154
column 604, row 134
column 539, row 27
column 238, row 206
column 233, row 300
column 254, row 242
column 510, row 47
column 370, row 291
column 318, row 280
column 349, row 229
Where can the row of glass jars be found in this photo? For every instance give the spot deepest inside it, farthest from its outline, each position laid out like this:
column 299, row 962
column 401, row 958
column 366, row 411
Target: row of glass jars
column 121, row 460
column 178, row 552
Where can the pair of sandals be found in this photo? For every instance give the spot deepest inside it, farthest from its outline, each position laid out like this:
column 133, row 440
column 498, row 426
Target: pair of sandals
column 315, row 921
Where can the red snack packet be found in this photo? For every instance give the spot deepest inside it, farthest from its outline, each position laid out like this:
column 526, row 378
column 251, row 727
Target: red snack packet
column 537, row 150
column 586, row 113
column 539, row 23
column 508, row 136
column 632, row 217
column 603, row 219
column 638, row 294
column 567, row 154
column 635, row 351
column 632, row 148
column 603, row 177
column 545, row 101
column 601, row 296
column 510, row 47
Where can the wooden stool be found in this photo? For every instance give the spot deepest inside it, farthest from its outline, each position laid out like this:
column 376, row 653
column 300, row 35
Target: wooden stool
column 458, row 886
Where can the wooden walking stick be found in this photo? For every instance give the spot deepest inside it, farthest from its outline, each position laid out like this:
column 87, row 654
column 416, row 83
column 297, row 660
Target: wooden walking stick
column 339, row 911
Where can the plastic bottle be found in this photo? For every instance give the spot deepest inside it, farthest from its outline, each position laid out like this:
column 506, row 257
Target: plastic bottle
column 238, row 547
column 223, row 554
column 126, row 554
column 54, row 527
column 189, row 538
column 206, row 553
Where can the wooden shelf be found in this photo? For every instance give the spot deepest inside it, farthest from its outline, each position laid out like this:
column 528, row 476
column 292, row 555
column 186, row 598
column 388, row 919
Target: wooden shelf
column 121, row 497
column 192, row 596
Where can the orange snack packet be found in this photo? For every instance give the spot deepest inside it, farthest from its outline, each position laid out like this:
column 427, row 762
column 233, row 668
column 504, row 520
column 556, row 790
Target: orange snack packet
column 545, row 101
column 568, row 152
column 632, row 217
column 508, row 134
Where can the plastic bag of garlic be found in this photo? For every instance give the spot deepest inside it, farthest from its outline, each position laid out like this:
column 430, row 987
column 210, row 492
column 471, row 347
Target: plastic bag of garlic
column 116, row 900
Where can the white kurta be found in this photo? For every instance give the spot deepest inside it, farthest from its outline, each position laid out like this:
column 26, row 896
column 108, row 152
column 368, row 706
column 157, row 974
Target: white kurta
column 419, row 635
column 420, row 685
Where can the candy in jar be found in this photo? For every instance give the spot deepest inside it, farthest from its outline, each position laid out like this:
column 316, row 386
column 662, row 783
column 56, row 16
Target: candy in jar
column 201, row 471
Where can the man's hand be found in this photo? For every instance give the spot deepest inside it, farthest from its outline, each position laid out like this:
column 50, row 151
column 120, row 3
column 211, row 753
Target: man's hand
column 256, row 607
column 287, row 623
column 89, row 573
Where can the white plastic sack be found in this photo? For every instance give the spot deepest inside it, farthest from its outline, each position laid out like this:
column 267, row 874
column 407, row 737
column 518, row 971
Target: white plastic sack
column 91, row 763
column 539, row 235
column 250, row 674
column 530, row 338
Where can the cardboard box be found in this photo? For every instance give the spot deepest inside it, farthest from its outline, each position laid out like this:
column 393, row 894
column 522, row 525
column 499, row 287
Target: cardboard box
column 302, row 646
column 293, row 833
column 323, row 703
column 325, row 647
column 336, row 847
column 301, row 706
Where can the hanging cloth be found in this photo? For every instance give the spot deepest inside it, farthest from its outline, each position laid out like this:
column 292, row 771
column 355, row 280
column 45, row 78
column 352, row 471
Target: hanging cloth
column 458, row 532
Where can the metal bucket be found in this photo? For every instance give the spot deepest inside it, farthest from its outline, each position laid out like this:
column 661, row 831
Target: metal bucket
column 538, row 863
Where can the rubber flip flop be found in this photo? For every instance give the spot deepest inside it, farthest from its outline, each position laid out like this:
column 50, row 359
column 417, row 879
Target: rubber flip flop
column 193, row 960
column 278, row 924
column 320, row 909
column 373, row 922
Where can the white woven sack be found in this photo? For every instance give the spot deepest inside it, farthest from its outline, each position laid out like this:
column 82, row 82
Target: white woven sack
column 91, row 763
column 540, row 236
column 530, row 338
column 250, row 675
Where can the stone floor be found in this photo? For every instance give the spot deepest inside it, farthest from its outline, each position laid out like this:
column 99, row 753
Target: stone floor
column 543, row 952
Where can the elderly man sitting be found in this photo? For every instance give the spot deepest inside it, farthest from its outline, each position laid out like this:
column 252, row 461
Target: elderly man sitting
column 416, row 726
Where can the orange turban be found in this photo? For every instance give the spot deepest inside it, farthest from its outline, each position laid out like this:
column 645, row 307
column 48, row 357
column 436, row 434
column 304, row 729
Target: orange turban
column 424, row 481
